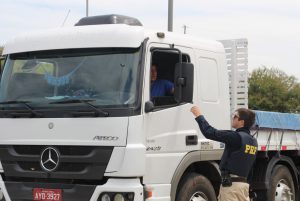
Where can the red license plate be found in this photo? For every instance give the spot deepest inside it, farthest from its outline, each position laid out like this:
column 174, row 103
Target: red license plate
column 44, row 194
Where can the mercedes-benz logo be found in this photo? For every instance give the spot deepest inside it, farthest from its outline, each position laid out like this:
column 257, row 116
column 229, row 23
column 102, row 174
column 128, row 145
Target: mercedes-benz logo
column 50, row 159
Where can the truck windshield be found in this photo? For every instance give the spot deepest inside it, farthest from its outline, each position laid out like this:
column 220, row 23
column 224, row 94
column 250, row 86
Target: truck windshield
column 106, row 76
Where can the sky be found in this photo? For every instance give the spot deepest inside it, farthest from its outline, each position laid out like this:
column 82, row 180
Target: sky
column 271, row 26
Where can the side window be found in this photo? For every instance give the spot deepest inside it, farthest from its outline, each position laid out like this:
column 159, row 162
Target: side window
column 162, row 77
column 209, row 84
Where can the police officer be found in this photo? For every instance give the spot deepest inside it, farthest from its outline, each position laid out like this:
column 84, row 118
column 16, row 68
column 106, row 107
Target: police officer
column 239, row 154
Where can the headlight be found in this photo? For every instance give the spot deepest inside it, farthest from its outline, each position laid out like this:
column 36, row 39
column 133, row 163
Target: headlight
column 130, row 196
column 105, row 197
column 119, row 197
column 116, row 196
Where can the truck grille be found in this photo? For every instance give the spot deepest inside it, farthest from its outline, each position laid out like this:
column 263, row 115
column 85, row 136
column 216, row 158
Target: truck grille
column 76, row 163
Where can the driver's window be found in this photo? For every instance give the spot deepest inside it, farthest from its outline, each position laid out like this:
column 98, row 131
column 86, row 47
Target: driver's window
column 162, row 77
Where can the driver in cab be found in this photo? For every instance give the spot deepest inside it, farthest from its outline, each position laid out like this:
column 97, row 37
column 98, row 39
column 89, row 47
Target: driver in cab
column 160, row 87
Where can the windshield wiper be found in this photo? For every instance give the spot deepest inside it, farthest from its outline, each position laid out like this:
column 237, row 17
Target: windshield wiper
column 87, row 102
column 27, row 106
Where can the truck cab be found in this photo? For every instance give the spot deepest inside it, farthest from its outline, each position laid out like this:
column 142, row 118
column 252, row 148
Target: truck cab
column 78, row 121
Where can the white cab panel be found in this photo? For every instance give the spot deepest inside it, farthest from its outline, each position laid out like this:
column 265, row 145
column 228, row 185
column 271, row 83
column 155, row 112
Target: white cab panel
column 77, row 37
column 65, row 131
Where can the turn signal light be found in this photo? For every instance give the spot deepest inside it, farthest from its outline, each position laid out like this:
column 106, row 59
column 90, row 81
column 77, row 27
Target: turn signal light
column 148, row 192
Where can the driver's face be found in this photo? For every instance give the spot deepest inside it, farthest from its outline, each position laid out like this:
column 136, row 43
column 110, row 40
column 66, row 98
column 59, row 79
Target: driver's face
column 153, row 73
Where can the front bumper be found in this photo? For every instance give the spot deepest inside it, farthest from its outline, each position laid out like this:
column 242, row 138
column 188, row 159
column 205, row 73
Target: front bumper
column 23, row 191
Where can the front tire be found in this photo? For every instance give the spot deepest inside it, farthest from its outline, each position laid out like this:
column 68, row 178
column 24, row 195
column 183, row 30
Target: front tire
column 196, row 187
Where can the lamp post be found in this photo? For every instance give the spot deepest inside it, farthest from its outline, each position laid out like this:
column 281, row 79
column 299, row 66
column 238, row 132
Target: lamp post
column 170, row 16
column 87, row 8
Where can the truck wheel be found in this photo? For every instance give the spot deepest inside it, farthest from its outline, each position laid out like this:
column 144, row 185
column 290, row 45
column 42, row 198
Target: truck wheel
column 196, row 188
column 281, row 185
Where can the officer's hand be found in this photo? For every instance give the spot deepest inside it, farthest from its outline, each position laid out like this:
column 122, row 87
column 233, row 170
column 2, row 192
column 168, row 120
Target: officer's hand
column 196, row 111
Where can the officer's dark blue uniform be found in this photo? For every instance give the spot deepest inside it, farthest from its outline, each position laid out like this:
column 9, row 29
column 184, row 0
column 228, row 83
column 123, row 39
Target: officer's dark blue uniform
column 240, row 147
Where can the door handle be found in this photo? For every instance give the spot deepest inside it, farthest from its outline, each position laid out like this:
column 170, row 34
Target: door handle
column 191, row 140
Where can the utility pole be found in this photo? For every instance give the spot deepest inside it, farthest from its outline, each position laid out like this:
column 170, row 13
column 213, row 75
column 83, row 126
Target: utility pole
column 170, row 16
column 185, row 28
column 87, row 8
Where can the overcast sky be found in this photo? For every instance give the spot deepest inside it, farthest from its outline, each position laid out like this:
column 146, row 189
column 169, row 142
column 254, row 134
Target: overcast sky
column 271, row 26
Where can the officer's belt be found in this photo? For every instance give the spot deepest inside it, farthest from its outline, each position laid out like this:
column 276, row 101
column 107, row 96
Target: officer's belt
column 239, row 179
column 236, row 178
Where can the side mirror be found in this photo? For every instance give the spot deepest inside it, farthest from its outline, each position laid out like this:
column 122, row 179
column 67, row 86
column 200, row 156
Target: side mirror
column 184, row 82
column 149, row 106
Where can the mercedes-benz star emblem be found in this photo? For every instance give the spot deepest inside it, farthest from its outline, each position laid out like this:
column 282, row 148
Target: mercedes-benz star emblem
column 50, row 159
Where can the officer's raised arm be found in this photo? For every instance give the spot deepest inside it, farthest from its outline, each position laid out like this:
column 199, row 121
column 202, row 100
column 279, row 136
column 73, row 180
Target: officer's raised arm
column 225, row 136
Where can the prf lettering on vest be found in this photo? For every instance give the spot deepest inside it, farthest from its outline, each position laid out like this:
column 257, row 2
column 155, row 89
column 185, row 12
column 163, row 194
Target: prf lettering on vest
column 250, row 149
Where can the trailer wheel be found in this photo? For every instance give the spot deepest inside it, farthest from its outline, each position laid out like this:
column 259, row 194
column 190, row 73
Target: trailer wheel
column 281, row 185
column 196, row 188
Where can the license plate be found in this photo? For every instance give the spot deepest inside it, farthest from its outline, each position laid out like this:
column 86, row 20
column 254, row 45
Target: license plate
column 44, row 194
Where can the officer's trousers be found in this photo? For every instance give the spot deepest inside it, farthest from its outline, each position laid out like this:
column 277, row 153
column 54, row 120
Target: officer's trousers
column 239, row 191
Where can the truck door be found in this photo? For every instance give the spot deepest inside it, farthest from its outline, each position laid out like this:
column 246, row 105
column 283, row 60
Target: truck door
column 170, row 128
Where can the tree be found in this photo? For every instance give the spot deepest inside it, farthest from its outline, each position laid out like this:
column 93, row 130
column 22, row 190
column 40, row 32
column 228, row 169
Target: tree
column 273, row 90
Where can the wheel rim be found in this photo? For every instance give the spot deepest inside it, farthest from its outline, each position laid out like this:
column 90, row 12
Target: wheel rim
column 199, row 196
column 283, row 192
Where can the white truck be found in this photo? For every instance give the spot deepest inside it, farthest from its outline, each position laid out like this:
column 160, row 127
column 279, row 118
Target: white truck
column 78, row 123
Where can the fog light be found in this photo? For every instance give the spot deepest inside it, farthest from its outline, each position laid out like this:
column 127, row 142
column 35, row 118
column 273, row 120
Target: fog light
column 119, row 197
column 105, row 197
